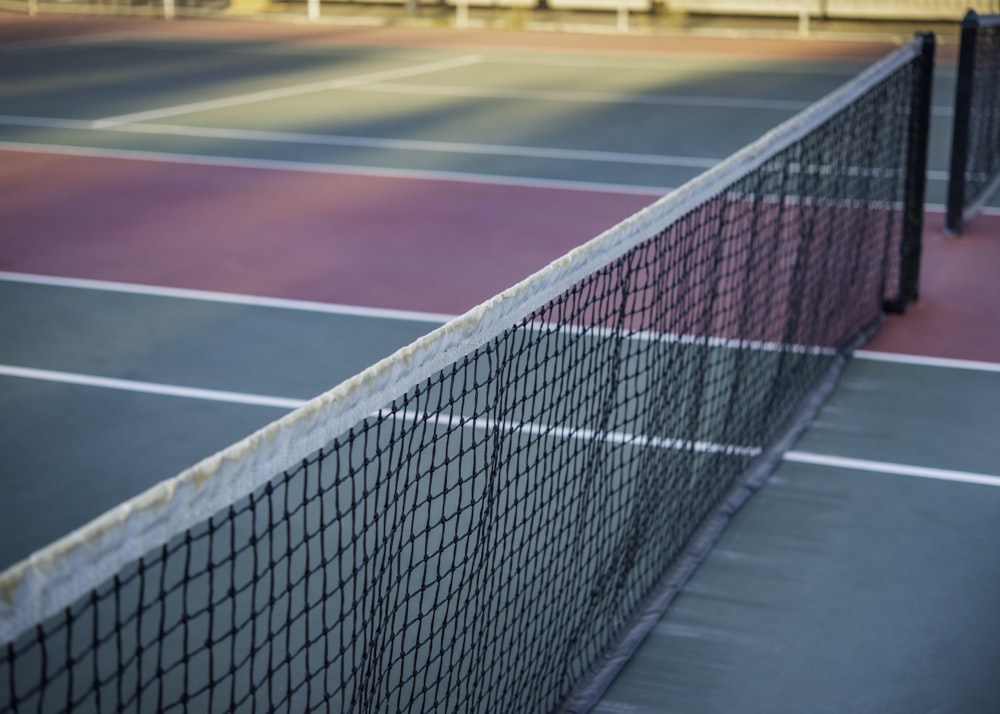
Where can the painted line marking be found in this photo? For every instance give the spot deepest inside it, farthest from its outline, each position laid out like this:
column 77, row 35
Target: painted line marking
column 392, row 313
column 387, row 144
column 284, row 92
column 129, row 385
column 460, row 421
column 338, row 169
column 991, row 211
column 683, row 64
column 444, row 147
column 920, row 360
column 231, row 298
column 449, row 421
column 841, row 462
column 615, row 98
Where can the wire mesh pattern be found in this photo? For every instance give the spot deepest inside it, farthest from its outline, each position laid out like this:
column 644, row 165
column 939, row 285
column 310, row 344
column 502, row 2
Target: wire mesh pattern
column 483, row 540
column 975, row 146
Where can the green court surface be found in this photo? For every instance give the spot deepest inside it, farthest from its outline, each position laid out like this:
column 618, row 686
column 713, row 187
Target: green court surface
column 642, row 121
column 75, row 444
column 837, row 589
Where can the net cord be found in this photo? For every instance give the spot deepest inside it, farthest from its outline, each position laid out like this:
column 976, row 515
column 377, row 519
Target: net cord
column 56, row 576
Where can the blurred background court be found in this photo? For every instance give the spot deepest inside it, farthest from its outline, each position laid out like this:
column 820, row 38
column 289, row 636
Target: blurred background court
column 206, row 223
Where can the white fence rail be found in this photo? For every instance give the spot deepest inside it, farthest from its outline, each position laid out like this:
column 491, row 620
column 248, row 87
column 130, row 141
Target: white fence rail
column 805, row 10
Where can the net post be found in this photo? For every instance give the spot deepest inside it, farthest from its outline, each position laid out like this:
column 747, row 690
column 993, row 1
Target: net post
column 916, row 177
column 960, row 126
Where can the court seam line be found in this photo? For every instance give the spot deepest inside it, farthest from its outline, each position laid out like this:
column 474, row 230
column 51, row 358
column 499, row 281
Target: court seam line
column 927, row 361
column 283, row 92
column 337, row 169
column 229, row 298
column 800, row 457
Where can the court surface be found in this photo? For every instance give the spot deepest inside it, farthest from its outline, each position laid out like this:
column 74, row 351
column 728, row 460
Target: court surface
column 203, row 227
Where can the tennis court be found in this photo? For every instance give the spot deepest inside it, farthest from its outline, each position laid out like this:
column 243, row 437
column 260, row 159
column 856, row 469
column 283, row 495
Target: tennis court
column 208, row 224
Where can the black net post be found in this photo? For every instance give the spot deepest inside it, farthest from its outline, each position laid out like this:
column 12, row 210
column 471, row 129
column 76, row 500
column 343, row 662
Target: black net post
column 960, row 127
column 916, row 178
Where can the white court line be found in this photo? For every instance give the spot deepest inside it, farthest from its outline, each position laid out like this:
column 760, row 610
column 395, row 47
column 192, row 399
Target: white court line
column 337, row 169
column 231, row 298
column 941, row 208
column 446, row 420
column 396, row 314
column 129, row 385
column 449, row 421
column 800, row 457
column 295, row 90
column 920, row 360
column 445, row 147
column 579, row 433
column 684, row 65
column 943, row 175
column 841, row 462
column 615, row 98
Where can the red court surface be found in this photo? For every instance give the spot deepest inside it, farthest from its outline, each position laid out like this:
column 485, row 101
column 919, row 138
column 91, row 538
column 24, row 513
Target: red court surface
column 394, row 242
column 958, row 313
column 436, row 246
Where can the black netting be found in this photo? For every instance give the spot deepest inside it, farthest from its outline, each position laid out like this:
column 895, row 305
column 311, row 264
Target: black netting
column 480, row 543
column 975, row 160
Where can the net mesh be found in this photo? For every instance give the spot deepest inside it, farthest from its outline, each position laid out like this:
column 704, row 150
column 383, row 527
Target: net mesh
column 483, row 540
column 975, row 157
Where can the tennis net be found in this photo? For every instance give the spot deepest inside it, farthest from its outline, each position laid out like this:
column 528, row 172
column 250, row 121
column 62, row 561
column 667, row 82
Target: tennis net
column 491, row 518
column 975, row 142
